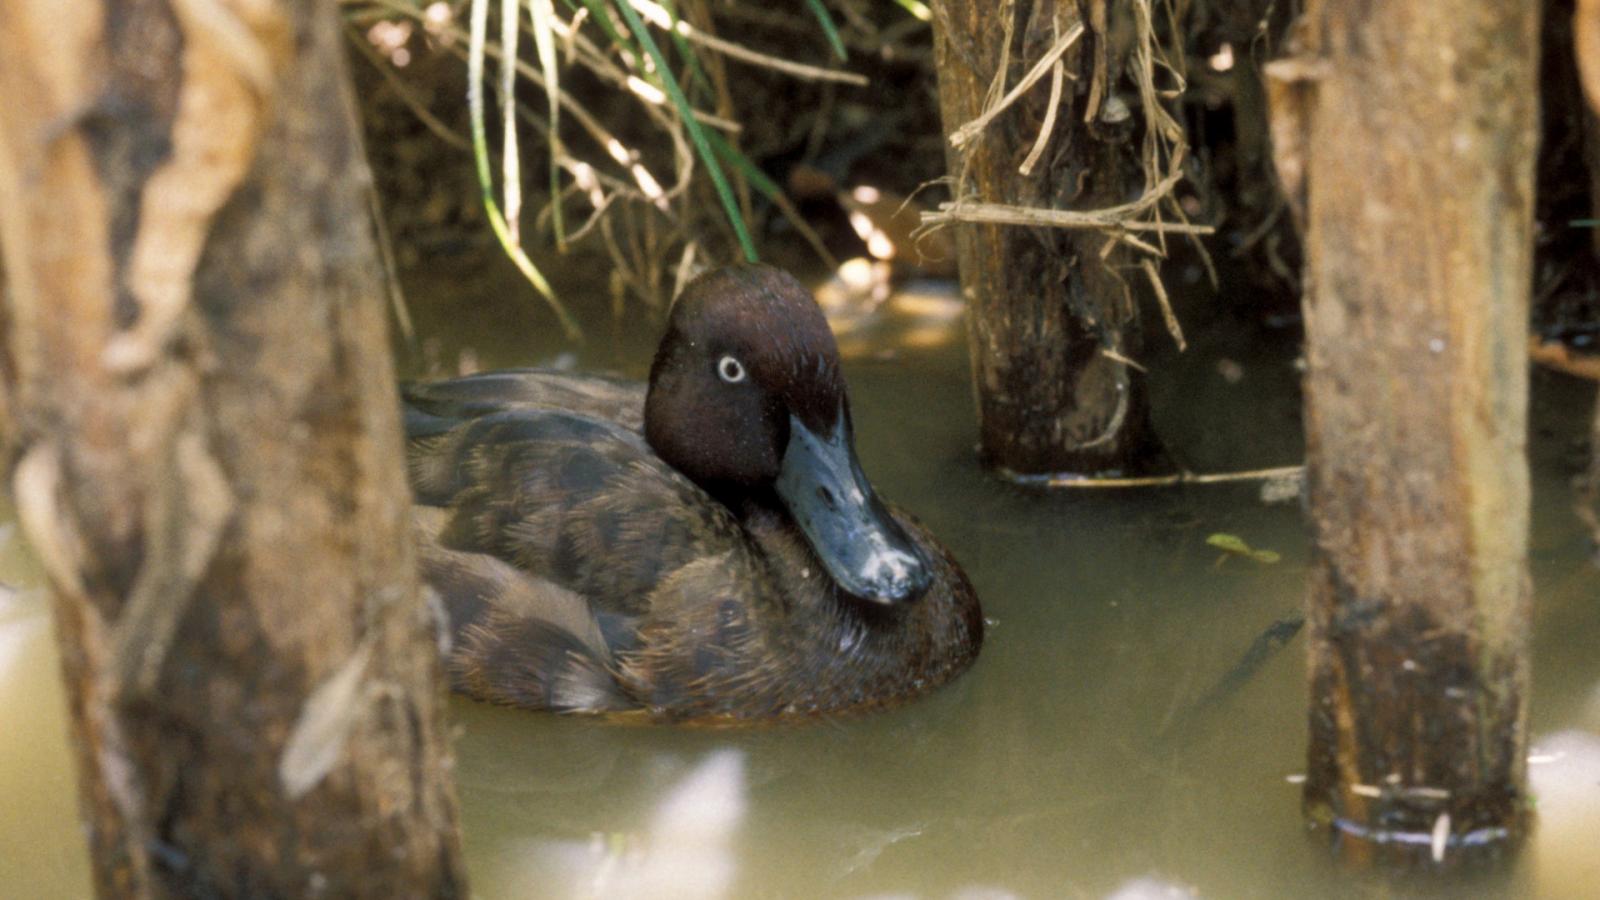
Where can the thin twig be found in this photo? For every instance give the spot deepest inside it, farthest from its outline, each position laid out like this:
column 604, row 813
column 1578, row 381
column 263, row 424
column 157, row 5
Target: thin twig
column 391, row 269
column 1114, row 356
column 1126, row 238
column 405, row 93
column 1058, row 73
column 1000, row 214
column 1556, row 355
column 1173, row 328
column 1177, row 478
column 970, row 130
column 659, row 17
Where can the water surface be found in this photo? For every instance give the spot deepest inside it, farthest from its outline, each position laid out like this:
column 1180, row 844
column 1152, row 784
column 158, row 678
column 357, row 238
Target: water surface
column 1075, row 760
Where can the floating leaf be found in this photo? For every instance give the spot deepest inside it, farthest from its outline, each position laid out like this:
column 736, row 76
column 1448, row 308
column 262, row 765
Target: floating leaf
column 1235, row 545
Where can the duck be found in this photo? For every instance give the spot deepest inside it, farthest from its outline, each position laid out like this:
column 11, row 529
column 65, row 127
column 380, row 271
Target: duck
column 705, row 547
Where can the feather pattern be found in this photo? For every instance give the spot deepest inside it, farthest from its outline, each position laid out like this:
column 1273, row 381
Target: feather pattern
column 581, row 572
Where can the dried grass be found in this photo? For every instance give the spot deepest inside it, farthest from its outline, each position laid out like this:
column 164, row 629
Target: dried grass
column 623, row 179
column 1163, row 150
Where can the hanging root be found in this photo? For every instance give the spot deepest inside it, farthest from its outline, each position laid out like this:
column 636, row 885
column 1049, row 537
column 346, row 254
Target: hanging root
column 1163, row 151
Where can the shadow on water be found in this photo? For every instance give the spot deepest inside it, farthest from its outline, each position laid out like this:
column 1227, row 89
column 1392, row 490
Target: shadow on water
column 1090, row 751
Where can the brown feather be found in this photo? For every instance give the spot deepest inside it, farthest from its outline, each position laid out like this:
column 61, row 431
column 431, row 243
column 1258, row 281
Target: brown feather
column 581, row 572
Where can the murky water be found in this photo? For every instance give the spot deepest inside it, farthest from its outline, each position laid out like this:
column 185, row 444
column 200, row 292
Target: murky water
column 1071, row 761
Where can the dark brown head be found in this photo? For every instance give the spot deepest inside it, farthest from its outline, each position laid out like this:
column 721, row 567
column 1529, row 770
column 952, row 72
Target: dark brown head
column 746, row 395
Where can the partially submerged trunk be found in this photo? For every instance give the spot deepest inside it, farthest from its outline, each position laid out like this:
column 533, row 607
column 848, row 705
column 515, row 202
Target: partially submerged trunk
column 206, row 453
column 1589, row 498
column 1052, row 322
column 1405, row 132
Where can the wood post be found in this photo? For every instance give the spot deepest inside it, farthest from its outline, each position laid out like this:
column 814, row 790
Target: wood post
column 1406, row 132
column 206, row 456
column 1050, row 315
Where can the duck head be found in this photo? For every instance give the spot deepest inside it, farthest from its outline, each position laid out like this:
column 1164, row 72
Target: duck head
column 746, row 397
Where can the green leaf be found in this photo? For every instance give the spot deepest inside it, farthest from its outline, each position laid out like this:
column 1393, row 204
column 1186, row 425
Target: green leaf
column 696, row 74
column 1230, row 543
column 752, row 173
column 602, row 17
column 542, row 15
column 770, row 189
column 1235, row 545
column 917, row 8
column 697, row 134
column 480, row 155
column 828, row 28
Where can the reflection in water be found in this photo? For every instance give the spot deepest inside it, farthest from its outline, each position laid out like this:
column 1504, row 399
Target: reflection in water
column 1152, row 889
column 1564, row 769
column 41, row 847
column 1064, row 764
column 687, row 851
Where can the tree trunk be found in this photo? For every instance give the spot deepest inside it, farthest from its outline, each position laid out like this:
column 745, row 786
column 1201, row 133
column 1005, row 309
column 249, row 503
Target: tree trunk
column 1414, row 126
column 1589, row 497
column 207, row 455
column 1050, row 316
column 1586, row 41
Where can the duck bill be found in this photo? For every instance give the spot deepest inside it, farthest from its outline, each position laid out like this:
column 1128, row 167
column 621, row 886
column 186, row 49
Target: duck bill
column 864, row 549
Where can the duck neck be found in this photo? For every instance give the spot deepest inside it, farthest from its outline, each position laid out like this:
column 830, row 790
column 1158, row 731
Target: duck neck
column 762, row 515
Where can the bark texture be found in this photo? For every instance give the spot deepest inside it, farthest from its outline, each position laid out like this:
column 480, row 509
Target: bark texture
column 1406, row 132
column 1049, row 311
column 206, row 455
column 1589, row 498
column 1586, row 43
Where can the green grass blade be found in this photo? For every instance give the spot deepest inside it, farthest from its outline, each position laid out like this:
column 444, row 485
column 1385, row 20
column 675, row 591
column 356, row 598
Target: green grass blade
column 828, row 28
column 917, row 8
column 697, row 135
column 774, row 194
column 602, row 17
column 544, row 39
column 480, row 156
column 696, row 73
column 752, row 173
column 510, row 152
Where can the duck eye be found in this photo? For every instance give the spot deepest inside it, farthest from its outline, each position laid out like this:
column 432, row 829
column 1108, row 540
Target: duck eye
column 730, row 370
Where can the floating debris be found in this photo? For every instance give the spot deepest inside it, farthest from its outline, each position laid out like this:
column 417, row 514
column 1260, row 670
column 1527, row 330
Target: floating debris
column 1232, row 544
column 1441, row 837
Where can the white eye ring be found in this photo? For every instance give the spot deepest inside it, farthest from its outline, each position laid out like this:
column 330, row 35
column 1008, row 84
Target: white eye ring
column 730, row 370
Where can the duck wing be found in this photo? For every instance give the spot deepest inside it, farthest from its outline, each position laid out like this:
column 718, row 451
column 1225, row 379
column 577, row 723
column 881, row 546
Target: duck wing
column 435, row 407
column 547, row 535
column 515, row 638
